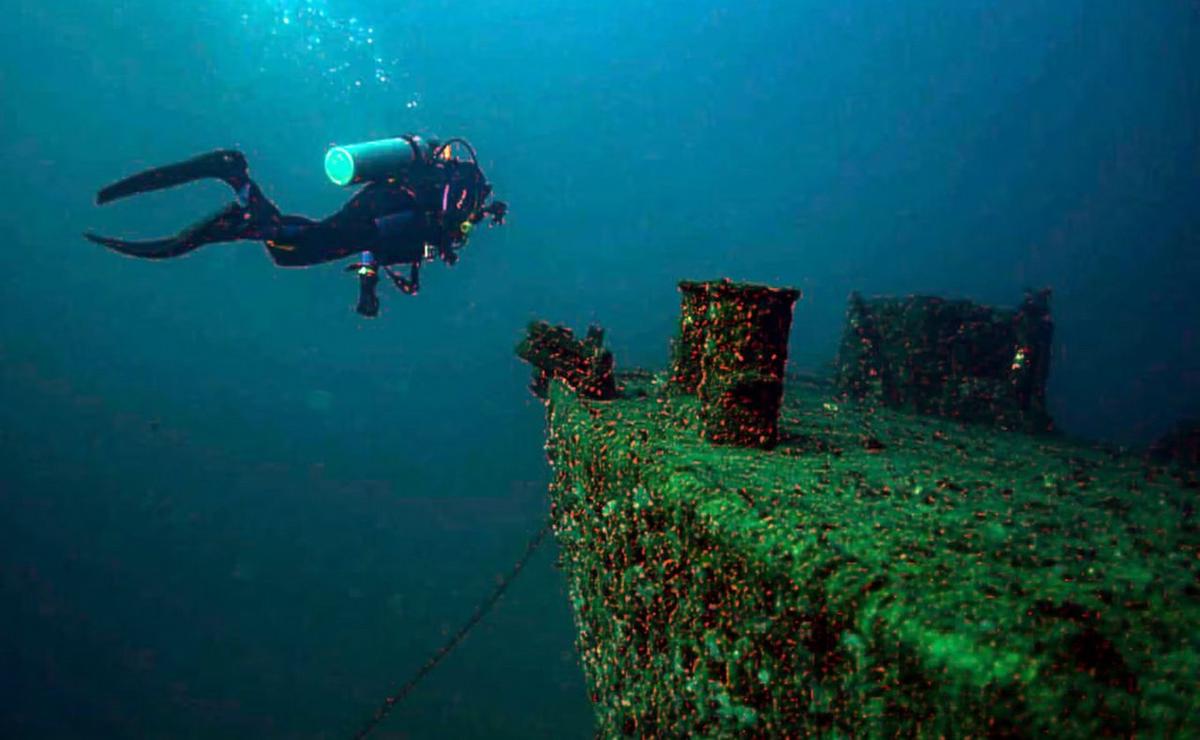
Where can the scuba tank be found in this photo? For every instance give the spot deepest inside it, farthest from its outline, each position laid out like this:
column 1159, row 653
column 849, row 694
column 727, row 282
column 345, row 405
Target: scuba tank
column 373, row 161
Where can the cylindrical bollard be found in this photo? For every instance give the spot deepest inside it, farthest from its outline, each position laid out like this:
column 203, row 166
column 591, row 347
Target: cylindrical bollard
column 742, row 363
column 689, row 345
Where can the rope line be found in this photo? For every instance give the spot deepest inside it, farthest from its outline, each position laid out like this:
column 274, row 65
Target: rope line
column 480, row 611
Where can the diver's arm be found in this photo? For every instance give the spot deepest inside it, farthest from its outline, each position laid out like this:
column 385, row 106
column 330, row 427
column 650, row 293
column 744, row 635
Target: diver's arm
column 410, row 285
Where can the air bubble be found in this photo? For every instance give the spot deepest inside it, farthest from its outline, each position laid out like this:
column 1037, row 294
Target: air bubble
column 342, row 51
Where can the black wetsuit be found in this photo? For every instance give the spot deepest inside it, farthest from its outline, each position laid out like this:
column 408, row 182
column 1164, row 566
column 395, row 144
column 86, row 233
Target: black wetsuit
column 421, row 216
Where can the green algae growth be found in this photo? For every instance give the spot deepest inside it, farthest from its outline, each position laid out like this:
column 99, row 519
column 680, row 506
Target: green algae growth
column 875, row 574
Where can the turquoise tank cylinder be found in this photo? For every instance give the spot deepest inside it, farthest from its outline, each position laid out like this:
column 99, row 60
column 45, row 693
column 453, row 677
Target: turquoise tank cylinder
column 370, row 161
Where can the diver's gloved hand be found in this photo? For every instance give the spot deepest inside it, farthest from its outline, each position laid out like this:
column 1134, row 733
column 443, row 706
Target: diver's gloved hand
column 368, row 279
column 498, row 210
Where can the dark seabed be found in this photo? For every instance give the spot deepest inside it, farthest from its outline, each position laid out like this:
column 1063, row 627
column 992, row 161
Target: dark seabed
column 230, row 507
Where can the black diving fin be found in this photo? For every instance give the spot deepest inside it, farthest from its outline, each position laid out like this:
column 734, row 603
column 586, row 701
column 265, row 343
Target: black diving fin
column 224, row 164
column 233, row 221
column 226, row 224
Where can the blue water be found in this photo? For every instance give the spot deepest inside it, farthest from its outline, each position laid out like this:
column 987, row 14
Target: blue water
column 230, row 507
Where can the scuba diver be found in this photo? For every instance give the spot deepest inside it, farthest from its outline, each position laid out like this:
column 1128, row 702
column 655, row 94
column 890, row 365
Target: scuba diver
column 419, row 202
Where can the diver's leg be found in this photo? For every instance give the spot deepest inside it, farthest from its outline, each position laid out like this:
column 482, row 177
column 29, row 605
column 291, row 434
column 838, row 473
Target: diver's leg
column 296, row 241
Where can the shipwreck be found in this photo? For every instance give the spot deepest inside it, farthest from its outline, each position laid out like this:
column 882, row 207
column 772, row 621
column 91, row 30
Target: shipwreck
column 908, row 549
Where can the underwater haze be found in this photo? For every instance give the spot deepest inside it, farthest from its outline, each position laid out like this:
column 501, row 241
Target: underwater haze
column 231, row 507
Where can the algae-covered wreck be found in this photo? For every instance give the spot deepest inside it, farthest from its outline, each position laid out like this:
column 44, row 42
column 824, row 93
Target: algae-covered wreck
column 858, row 569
